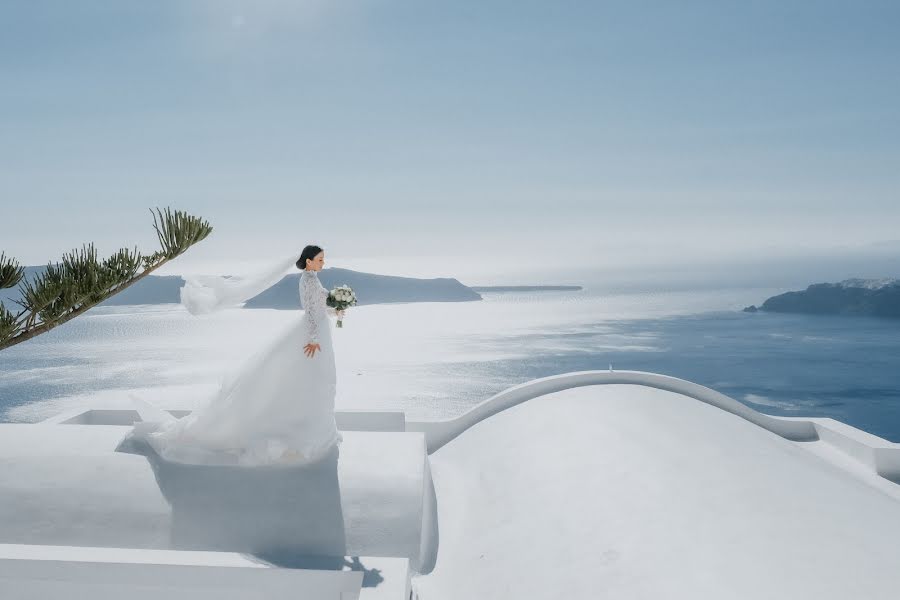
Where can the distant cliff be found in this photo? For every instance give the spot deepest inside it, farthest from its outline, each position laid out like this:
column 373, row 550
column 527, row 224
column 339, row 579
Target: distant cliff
column 870, row 297
column 369, row 288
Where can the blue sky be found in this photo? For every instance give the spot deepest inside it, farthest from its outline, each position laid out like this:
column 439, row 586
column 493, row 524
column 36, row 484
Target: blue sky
column 437, row 139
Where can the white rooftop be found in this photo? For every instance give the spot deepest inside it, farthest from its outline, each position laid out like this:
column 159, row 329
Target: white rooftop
column 622, row 491
column 591, row 484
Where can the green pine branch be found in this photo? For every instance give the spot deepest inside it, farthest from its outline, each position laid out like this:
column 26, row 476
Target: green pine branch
column 10, row 272
column 66, row 289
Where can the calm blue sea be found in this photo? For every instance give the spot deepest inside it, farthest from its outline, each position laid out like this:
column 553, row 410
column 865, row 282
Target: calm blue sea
column 436, row 359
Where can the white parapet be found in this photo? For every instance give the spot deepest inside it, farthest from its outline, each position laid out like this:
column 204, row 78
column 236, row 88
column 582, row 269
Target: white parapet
column 347, row 420
column 51, row 572
column 874, row 455
column 438, row 433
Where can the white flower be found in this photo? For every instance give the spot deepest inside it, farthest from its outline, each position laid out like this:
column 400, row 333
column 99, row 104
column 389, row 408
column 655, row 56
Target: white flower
column 343, row 293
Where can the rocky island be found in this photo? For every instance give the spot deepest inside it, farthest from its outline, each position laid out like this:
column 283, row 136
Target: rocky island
column 369, row 287
column 869, row 297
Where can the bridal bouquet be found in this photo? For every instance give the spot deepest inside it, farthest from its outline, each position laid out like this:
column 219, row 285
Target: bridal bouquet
column 340, row 298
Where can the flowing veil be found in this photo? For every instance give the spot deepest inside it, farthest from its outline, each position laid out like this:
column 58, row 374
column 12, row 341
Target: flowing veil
column 253, row 415
column 202, row 294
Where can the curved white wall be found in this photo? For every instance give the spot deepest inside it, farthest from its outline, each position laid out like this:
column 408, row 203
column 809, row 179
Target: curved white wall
column 438, row 433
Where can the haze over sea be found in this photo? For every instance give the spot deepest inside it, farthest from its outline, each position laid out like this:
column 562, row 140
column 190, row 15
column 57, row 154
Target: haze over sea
column 435, row 360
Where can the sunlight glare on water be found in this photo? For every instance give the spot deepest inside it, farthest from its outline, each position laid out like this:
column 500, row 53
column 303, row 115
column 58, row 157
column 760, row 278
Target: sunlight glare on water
column 437, row 359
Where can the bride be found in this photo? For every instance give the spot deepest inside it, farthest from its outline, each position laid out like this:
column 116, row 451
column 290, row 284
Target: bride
column 279, row 406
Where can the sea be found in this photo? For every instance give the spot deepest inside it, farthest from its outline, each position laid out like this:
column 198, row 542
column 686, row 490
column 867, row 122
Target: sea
column 437, row 359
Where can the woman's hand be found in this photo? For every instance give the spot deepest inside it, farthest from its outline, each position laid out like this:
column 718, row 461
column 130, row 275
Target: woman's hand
column 340, row 313
column 310, row 349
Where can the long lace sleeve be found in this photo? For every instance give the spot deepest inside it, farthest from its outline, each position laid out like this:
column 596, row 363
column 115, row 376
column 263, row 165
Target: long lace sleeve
column 312, row 296
column 330, row 310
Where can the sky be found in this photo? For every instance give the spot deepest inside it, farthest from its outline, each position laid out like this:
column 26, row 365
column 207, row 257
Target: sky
column 500, row 141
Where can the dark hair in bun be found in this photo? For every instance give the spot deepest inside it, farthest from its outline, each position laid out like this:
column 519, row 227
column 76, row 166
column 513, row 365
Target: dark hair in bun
column 309, row 252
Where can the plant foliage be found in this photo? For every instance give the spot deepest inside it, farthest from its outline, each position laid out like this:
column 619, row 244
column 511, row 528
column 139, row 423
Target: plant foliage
column 81, row 280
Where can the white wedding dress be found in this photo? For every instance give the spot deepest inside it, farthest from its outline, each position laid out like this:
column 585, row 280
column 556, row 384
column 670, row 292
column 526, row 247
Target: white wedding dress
column 277, row 409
